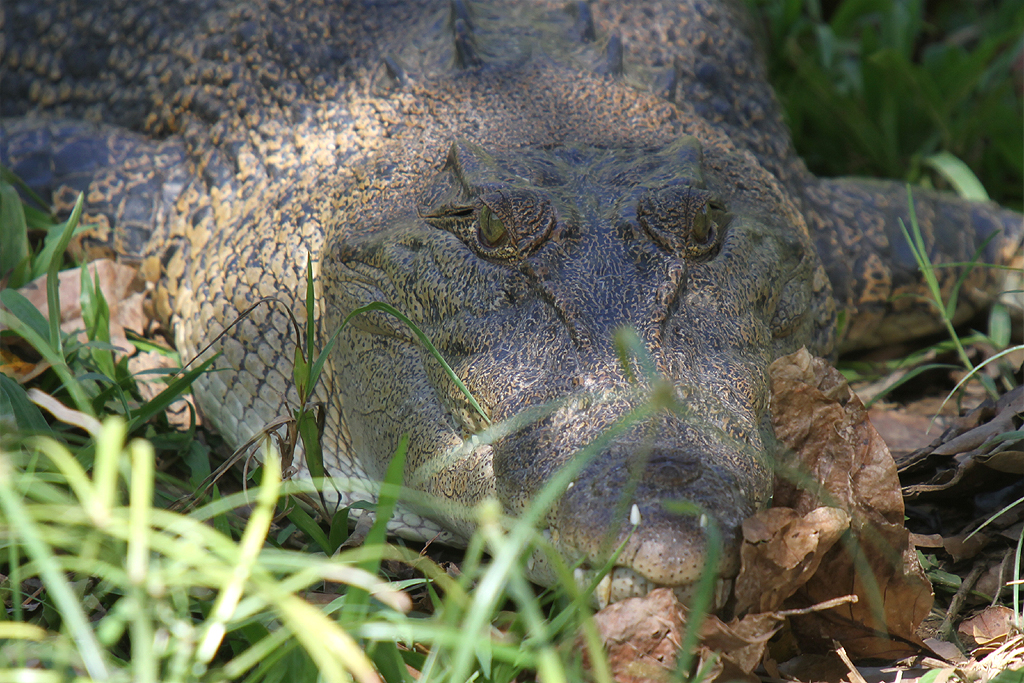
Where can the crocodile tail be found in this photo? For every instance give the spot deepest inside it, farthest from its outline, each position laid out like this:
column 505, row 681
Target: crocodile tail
column 856, row 224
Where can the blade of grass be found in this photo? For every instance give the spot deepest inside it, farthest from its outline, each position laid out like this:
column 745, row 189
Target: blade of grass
column 15, row 255
column 391, row 310
column 959, row 175
column 57, row 587
column 52, row 278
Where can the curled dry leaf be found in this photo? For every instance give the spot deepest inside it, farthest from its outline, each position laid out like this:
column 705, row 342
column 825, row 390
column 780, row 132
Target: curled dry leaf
column 837, row 459
column 642, row 637
column 973, row 453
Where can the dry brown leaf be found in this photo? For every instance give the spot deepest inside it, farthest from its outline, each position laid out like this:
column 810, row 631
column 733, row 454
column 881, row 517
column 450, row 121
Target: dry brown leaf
column 903, row 431
column 117, row 282
column 837, row 459
column 19, row 370
column 1007, row 656
column 965, row 546
column 642, row 636
column 948, row 651
column 992, row 623
column 742, row 641
column 956, row 464
column 926, row 540
column 781, row 551
column 1008, row 461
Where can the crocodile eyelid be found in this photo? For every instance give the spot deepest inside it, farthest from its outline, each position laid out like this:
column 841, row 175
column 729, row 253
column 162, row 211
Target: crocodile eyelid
column 682, row 219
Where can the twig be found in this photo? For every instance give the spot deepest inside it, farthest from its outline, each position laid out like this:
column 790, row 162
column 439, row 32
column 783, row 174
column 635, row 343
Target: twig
column 957, row 602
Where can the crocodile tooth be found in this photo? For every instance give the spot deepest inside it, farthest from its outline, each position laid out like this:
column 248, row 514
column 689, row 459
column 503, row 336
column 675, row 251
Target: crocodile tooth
column 634, row 515
column 603, row 592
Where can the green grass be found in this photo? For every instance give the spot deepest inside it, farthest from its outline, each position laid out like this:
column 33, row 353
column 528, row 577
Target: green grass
column 105, row 582
column 880, row 87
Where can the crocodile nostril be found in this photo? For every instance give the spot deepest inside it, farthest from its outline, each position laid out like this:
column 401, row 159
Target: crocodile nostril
column 669, row 473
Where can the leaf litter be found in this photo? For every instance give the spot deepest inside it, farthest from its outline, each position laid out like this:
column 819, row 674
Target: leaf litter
column 830, row 575
column 124, row 292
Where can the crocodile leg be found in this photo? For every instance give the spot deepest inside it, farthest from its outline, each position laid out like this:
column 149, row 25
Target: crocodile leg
column 856, row 227
column 131, row 182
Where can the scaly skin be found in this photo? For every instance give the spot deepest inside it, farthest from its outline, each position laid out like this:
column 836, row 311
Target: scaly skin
column 521, row 182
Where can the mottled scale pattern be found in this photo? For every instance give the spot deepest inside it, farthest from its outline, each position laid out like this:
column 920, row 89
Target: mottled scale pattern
column 522, row 180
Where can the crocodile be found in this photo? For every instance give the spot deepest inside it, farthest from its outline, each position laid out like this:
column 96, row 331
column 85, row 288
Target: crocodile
column 523, row 181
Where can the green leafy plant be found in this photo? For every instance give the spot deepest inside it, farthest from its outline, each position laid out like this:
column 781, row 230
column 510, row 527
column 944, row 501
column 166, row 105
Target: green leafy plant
column 878, row 88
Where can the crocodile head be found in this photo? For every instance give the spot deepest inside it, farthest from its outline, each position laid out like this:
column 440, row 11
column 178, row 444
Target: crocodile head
column 520, row 267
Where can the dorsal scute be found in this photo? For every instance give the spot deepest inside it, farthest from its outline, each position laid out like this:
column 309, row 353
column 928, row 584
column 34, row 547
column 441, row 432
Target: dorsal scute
column 468, row 170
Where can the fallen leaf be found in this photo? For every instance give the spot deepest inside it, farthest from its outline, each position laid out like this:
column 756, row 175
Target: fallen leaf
column 992, row 623
column 946, row 650
column 1008, row 461
column 903, row 431
column 781, row 551
column 837, row 459
column 642, row 636
column 926, row 540
column 965, row 546
column 742, row 641
column 955, row 463
column 117, row 282
column 21, row 371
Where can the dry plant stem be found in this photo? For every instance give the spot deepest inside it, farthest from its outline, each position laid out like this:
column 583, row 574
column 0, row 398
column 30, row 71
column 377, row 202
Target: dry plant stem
column 957, row 603
column 1000, row 585
column 854, row 676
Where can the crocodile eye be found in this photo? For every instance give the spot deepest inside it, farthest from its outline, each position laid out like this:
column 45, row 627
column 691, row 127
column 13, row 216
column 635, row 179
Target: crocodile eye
column 490, row 231
column 710, row 218
column 701, row 225
column 685, row 220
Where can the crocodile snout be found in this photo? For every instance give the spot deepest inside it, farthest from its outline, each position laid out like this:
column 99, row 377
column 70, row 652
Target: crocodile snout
column 655, row 501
